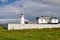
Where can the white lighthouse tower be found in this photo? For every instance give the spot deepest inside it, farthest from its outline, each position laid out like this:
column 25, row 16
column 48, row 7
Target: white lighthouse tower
column 22, row 21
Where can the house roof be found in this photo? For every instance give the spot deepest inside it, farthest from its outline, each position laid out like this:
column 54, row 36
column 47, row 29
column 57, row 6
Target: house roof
column 54, row 18
column 47, row 17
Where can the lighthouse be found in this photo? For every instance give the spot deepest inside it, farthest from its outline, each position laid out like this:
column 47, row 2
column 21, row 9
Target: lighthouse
column 22, row 19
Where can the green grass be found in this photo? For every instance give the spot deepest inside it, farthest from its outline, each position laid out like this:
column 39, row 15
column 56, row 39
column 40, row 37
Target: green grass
column 33, row 34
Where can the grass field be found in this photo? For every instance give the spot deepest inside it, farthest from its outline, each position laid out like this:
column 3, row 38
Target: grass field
column 33, row 34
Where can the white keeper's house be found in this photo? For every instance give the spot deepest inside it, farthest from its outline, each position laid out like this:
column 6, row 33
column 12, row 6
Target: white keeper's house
column 47, row 19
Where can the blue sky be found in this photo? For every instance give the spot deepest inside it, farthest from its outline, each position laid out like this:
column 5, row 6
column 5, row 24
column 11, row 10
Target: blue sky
column 5, row 2
column 31, row 8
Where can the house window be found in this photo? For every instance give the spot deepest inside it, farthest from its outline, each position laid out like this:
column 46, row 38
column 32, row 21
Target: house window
column 42, row 20
column 54, row 20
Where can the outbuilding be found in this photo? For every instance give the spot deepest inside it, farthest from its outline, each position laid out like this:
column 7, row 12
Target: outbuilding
column 54, row 20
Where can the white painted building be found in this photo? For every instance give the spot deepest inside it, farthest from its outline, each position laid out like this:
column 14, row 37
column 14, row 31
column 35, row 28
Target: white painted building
column 54, row 20
column 41, row 20
column 22, row 20
column 47, row 19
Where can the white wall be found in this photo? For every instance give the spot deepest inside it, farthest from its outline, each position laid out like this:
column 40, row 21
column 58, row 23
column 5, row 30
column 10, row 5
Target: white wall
column 54, row 21
column 41, row 20
column 31, row 26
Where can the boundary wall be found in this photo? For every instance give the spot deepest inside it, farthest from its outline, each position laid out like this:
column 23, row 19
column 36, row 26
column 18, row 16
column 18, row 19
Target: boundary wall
column 31, row 26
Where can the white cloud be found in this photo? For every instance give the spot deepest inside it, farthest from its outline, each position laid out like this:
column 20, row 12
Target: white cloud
column 32, row 8
column 4, row 21
column 29, row 7
column 54, row 2
column 9, row 9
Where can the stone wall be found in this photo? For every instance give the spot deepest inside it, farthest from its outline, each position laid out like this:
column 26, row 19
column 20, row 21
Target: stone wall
column 31, row 26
